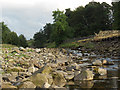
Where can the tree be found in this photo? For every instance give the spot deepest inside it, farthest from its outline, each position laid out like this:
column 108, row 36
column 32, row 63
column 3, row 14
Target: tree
column 116, row 15
column 39, row 39
column 0, row 33
column 5, row 33
column 22, row 41
column 13, row 38
column 47, row 31
column 97, row 17
column 76, row 20
column 60, row 30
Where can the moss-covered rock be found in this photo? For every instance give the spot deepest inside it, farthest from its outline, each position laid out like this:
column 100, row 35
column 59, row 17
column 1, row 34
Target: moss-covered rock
column 16, row 69
column 58, row 79
column 84, row 75
column 27, row 84
column 39, row 79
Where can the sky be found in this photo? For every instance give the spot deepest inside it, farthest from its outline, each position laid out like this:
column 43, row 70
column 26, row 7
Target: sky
column 29, row 16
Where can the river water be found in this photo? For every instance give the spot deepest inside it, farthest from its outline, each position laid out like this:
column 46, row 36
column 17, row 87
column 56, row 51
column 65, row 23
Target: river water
column 110, row 81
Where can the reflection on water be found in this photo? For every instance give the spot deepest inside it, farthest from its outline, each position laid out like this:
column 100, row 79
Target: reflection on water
column 110, row 81
column 85, row 84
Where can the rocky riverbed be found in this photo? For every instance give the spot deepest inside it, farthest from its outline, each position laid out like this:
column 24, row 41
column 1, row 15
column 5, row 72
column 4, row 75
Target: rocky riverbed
column 57, row 68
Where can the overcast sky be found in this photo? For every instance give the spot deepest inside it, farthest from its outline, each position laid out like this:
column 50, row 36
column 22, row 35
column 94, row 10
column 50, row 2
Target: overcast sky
column 28, row 16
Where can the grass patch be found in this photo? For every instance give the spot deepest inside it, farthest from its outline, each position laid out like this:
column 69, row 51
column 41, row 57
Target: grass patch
column 50, row 45
column 88, row 44
column 7, row 46
column 69, row 45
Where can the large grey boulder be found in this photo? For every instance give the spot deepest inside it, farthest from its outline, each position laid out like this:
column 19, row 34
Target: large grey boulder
column 22, row 49
column 27, row 84
column 39, row 79
column 102, row 71
column 84, row 75
column 97, row 63
column 58, row 79
column 44, row 70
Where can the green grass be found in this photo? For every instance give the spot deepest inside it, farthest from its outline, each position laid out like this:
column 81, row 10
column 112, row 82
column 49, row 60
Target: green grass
column 69, row 45
column 50, row 45
column 7, row 46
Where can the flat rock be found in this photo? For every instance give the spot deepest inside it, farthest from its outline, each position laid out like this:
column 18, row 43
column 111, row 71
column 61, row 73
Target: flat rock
column 27, row 84
column 84, row 75
column 97, row 63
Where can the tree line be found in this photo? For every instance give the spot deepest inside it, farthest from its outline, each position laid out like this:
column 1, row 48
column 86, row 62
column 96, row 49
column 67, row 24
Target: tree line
column 9, row 37
column 83, row 21
column 68, row 24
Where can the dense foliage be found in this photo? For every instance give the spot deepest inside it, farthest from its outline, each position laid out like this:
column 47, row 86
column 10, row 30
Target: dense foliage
column 9, row 37
column 83, row 21
column 116, row 15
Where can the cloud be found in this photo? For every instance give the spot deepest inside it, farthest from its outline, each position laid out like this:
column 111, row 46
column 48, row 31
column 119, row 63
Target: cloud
column 29, row 16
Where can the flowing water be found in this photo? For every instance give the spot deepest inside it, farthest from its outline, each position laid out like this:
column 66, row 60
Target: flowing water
column 110, row 81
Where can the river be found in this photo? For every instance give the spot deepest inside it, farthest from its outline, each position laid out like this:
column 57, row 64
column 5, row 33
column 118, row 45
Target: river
column 111, row 80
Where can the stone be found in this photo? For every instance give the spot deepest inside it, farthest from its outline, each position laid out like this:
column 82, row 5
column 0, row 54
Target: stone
column 50, row 79
column 84, row 75
column 22, row 49
column 46, row 85
column 16, row 69
column 27, row 84
column 15, row 51
column 39, row 79
column 37, row 50
column 58, row 79
column 31, row 69
column 70, row 68
column 97, row 63
column 85, row 84
column 76, row 73
column 8, row 85
column 102, row 71
column 104, row 62
column 52, row 65
column 110, row 63
column 44, row 70
column 69, row 77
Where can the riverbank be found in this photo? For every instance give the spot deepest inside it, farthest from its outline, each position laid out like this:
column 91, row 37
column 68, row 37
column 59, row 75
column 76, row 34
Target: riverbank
column 81, row 66
column 58, row 68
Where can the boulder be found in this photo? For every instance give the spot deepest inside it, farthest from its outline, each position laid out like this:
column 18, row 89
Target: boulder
column 50, row 79
column 84, row 75
column 8, row 85
column 58, row 79
column 97, row 63
column 110, row 63
column 27, row 84
column 76, row 73
column 37, row 50
column 69, row 77
column 85, row 84
column 46, row 85
column 31, row 69
column 16, row 69
column 22, row 49
column 39, row 79
column 105, row 62
column 44, row 70
column 70, row 68
column 102, row 71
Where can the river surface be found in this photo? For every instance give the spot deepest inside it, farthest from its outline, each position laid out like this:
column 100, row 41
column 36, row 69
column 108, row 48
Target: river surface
column 110, row 81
